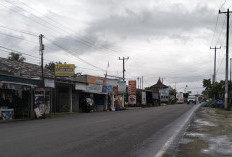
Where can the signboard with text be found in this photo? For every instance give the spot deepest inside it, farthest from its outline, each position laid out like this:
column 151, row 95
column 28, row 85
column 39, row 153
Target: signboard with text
column 132, row 92
column 64, row 69
column 121, row 87
column 107, row 89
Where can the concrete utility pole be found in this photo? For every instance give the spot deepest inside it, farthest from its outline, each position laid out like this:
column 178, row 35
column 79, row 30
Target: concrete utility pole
column 142, row 82
column 138, row 82
column 123, row 59
column 41, row 48
column 227, row 107
column 215, row 51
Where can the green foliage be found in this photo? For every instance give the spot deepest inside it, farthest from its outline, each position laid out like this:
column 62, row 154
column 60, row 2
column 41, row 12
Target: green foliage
column 215, row 91
column 51, row 66
column 206, row 83
column 139, row 96
column 16, row 57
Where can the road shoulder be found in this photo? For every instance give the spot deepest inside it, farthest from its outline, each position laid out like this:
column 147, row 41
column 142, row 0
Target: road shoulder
column 209, row 134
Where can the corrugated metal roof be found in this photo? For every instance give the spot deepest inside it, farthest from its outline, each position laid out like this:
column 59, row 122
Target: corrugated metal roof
column 25, row 69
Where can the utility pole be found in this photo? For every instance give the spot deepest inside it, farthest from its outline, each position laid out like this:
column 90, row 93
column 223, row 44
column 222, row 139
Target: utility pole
column 142, row 82
column 215, row 51
column 227, row 107
column 138, row 82
column 41, row 48
column 123, row 59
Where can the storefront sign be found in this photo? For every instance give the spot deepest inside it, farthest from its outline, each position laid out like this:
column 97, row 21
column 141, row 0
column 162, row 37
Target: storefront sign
column 49, row 83
column 99, row 82
column 107, row 89
column 93, row 88
column 64, row 69
column 121, row 87
column 144, row 98
column 80, row 86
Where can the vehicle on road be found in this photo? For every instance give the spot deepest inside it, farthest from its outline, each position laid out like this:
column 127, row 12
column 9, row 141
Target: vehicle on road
column 87, row 105
column 180, row 98
column 191, row 99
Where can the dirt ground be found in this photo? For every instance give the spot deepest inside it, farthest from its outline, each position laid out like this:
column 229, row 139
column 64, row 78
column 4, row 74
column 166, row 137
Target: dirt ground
column 208, row 135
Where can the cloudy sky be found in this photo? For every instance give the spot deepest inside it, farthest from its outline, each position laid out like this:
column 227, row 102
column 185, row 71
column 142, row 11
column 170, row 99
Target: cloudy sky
column 162, row 38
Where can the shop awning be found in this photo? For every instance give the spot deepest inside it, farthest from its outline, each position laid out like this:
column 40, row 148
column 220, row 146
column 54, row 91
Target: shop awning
column 16, row 85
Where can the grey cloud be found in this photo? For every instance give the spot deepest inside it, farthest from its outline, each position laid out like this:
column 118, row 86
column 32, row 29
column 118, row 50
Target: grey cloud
column 88, row 43
column 156, row 22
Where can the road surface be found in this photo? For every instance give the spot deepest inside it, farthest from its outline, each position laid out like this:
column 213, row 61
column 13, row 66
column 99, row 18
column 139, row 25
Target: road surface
column 138, row 132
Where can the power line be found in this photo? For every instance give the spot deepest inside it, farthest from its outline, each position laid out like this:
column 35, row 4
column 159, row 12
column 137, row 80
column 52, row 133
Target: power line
column 37, row 58
column 71, row 52
column 221, row 31
column 85, row 42
column 21, row 31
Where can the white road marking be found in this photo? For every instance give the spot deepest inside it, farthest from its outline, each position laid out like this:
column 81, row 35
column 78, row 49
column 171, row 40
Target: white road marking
column 171, row 139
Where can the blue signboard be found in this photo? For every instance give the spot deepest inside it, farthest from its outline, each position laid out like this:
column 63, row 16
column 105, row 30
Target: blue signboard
column 107, row 89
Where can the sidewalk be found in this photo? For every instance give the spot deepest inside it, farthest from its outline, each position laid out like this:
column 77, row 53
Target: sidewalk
column 208, row 135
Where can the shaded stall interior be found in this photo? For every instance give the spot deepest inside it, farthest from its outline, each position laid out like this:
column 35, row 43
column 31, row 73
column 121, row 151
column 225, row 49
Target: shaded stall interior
column 17, row 97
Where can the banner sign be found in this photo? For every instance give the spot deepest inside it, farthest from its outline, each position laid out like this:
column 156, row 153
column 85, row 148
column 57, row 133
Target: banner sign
column 64, row 69
column 49, row 83
column 144, row 98
column 132, row 92
column 107, row 89
column 80, row 86
column 164, row 95
column 93, row 88
column 121, row 87
column 111, row 82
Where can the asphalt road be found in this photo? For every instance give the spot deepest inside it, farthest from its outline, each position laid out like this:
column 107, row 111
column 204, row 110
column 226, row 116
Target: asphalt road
column 138, row 132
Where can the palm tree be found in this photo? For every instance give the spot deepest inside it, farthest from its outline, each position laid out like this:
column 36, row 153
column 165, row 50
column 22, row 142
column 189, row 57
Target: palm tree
column 16, row 57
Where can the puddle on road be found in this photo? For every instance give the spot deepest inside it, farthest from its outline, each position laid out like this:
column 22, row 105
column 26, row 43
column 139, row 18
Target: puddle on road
column 194, row 134
column 220, row 145
column 202, row 122
column 185, row 141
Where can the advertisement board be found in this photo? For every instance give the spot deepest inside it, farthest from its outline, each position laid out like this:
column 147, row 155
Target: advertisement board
column 121, row 87
column 107, row 89
column 80, row 86
column 180, row 97
column 49, row 83
column 115, row 91
column 64, row 69
column 132, row 99
column 164, row 95
column 144, row 98
column 93, row 88
column 132, row 87
column 132, row 92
